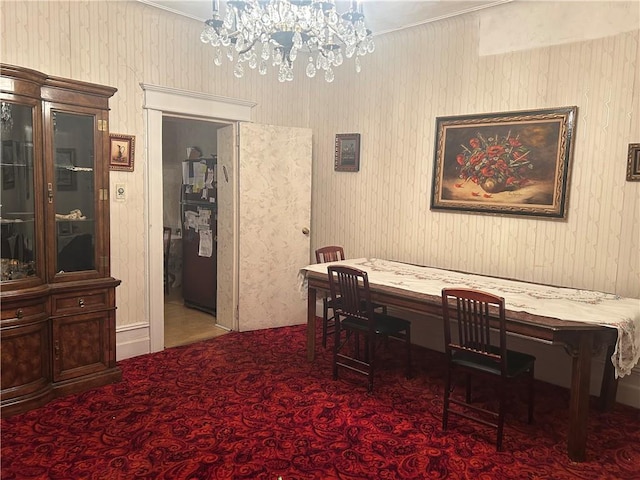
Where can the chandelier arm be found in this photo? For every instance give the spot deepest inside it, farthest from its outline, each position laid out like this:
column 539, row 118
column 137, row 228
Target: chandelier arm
column 242, row 52
column 337, row 34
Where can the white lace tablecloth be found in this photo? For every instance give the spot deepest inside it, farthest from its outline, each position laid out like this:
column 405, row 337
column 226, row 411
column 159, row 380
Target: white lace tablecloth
column 568, row 304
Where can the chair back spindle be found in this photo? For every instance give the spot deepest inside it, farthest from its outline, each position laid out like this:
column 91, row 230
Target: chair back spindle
column 355, row 302
column 475, row 314
column 331, row 253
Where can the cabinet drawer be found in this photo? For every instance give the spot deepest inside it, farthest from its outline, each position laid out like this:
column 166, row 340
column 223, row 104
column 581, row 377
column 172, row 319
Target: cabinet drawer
column 79, row 302
column 11, row 311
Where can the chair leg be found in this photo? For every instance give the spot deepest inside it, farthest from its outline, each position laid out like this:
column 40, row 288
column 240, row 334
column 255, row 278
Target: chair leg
column 503, row 387
column 167, row 284
column 447, row 393
column 370, row 345
column 325, row 321
column 409, row 373
column 531, row 395
column 367, row 355
column 336, row 347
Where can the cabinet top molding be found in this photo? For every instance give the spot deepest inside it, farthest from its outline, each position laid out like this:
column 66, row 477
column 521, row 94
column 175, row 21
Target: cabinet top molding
column 39, row 79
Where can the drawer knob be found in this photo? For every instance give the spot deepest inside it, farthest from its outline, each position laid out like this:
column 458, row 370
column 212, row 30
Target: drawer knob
column 81, row 302
column 19, row 313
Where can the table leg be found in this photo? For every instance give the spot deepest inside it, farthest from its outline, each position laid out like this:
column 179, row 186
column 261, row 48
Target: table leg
column 311, row 324
column 579, row 402
column 609, row 386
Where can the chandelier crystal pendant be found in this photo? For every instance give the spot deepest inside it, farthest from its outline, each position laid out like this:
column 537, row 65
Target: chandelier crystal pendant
column 258, row 32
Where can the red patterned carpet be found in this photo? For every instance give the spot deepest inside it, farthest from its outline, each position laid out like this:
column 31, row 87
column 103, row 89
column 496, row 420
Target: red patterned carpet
column 249, row 406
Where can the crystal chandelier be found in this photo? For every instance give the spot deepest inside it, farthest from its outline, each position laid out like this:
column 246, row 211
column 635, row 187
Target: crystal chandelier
column 258, row 32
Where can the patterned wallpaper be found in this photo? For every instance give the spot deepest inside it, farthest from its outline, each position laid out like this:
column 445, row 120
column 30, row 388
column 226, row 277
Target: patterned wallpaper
column 435, row 70
column 414, row 76
column 123, row 44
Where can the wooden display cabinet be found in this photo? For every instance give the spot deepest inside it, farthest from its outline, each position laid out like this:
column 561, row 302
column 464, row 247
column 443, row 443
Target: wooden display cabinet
column 57, row 296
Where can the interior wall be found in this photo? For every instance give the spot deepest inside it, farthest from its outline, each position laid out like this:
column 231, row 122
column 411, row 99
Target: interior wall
column 418, row 74
column 421, row 73
column 123, row 44
column 414, row 76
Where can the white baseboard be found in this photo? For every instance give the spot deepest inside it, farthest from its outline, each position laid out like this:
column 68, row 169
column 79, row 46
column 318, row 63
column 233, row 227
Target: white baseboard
column 132, row 341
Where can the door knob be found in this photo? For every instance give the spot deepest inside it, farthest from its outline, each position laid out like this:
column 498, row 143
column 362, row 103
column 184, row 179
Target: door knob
column 305, row 230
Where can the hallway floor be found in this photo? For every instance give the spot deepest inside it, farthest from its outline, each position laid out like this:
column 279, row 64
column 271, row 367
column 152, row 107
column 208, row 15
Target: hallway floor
column 183, row 325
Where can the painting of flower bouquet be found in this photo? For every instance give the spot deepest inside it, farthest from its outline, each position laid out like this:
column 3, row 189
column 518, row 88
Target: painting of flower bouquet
column 504, row 163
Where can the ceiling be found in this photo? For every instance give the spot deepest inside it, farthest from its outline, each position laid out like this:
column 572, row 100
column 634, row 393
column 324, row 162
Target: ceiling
column 382, row 16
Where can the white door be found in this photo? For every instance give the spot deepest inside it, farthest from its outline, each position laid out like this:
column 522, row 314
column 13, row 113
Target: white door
column 269, row 183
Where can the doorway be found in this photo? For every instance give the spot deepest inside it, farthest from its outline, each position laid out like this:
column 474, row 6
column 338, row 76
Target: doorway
column 187, row 142
column 275, row 158
column 159, row 102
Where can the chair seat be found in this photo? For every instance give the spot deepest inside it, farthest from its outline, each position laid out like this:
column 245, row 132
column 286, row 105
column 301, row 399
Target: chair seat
column 517, row 362
column 333, row 303
column 328, row 323
column 383, row 324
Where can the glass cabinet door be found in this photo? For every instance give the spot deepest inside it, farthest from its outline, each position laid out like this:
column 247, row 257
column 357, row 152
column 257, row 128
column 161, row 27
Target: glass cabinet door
column 72, row 190
column 17, row 210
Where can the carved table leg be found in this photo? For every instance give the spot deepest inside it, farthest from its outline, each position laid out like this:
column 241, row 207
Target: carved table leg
column 609, row 387
column 579, row 402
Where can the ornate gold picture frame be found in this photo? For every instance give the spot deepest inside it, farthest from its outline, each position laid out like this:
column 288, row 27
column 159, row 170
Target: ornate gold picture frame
column 121, row 152
column 511, row 163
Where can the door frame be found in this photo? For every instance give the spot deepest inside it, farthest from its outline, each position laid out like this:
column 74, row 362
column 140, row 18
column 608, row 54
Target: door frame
column 157, row 102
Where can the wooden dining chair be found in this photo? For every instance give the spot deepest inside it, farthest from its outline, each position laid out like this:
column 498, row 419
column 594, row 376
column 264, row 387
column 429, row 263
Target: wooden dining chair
column 470, row 350
column 355, row 314
column 333, row 253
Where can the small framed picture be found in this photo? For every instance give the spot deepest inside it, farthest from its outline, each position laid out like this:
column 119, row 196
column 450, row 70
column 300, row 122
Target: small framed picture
column 347, row 152
column 633, row 163
column 121, row 152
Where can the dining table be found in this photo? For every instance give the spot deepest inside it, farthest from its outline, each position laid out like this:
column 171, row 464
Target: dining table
column 583, row 322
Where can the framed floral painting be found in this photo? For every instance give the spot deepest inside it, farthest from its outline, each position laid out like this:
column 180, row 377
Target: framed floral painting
column 511, row 163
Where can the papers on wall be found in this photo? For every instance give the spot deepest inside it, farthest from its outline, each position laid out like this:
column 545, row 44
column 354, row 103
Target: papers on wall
column 205, row 248
column 210, row 176
column 200, row 221
column 199, row 176
column 185, row 173
column 208, row 186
